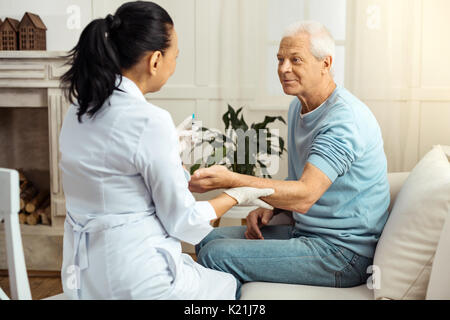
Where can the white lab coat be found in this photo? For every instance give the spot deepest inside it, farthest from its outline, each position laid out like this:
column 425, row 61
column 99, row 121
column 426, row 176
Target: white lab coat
column 129, row 206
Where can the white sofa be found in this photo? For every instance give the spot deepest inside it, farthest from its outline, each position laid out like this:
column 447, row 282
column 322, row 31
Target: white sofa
column 437, row 280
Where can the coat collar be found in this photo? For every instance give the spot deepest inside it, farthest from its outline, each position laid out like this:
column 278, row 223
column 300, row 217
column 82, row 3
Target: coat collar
column 130, row 87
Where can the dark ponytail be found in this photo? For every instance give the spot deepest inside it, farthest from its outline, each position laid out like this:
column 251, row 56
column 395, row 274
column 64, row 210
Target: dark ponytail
column 107, row 46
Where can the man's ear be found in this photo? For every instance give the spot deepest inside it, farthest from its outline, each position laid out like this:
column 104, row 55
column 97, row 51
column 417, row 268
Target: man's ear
column 155, row 60
column 326, row 64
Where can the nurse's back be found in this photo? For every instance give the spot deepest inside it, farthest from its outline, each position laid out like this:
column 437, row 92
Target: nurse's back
column 97, row 155
column 101, row 130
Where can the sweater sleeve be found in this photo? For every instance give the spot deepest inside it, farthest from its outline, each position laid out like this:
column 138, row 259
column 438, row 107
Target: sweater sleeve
column 337, row 145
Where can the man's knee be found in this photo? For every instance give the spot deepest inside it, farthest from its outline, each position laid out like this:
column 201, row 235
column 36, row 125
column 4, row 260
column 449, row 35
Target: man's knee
column 212, row 253
column 209, row 237
column 220, row 233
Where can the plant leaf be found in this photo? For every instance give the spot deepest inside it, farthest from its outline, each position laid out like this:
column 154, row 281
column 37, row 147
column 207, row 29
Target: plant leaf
column 194, row 167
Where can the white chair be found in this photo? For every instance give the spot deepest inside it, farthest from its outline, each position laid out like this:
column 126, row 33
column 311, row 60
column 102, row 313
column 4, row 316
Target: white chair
column 9, row 212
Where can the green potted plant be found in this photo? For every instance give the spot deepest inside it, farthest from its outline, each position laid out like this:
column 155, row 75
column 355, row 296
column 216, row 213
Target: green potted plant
column 246, row 149
column 242, row 148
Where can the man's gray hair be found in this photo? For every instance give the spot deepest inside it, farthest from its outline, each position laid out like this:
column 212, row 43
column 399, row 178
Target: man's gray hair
column 321, row 41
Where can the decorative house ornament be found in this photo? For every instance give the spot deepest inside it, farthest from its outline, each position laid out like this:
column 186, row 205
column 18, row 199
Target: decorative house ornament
column 32, row 33
column 9, row 34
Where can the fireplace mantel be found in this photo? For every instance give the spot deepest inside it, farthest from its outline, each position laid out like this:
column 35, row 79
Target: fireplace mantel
column 31, row 79
column 31, row 69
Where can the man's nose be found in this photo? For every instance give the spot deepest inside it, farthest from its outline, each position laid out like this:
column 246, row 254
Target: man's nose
column 285, row 66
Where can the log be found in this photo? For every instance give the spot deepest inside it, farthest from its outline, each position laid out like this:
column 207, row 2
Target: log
column 27, row 195
column 22, row 177
column 24, row 185
column 45, row 216
column 33, row 218
column 22, row 218
column 43, row 212
column 36, row 202
column 48, row 213
column 45, row 203
column 36, row 216
column 23, row 181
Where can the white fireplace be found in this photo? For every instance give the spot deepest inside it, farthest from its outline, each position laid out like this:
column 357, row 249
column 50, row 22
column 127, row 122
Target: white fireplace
column 32, row 107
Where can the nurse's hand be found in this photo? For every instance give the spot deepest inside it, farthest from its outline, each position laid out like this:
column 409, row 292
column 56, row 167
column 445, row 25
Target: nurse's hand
column 250, row 196
column 214, row 177
column 185, row 135
column 255, row 220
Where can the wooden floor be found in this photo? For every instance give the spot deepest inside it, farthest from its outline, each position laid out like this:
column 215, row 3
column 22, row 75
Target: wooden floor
column 43, row 284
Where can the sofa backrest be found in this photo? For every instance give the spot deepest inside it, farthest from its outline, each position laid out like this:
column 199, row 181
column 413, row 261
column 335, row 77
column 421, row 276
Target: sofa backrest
column 396, row 180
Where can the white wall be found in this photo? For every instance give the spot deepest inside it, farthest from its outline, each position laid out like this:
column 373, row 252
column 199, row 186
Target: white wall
column 64, row 19
column 394, row 60
column 398, row 67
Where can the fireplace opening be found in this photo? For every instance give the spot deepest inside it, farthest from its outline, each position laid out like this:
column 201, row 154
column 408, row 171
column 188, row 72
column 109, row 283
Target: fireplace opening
column 24, row 146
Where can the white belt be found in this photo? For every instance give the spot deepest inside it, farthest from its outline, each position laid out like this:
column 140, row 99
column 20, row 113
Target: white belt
column 81, row 225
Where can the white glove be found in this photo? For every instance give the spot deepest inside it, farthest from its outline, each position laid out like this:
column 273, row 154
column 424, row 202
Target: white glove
column 250, row 196
column 184, row 133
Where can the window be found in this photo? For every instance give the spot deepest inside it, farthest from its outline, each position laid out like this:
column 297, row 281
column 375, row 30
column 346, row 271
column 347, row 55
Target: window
column 331, row 13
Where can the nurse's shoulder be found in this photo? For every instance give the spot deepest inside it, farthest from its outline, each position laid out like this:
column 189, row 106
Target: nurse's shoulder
column 145, row 121
column 154, row 115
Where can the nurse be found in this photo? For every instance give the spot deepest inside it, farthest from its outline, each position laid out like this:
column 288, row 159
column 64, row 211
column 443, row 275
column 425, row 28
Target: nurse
column 127, row 198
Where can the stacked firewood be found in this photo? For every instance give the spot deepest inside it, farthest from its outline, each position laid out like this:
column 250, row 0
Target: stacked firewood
column 34, row 204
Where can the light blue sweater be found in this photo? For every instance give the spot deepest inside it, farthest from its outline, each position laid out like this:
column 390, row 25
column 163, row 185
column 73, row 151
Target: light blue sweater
column 342, row 138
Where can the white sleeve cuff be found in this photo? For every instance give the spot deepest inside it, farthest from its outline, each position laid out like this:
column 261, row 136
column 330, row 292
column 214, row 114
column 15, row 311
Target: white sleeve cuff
column 187, row 175
column 206, row 209
column 198, row 224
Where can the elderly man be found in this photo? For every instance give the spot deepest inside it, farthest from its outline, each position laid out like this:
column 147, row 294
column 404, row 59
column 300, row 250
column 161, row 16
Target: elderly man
column 337, row 188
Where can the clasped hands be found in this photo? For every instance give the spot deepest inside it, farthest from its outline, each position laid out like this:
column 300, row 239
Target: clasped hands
column 216, row 177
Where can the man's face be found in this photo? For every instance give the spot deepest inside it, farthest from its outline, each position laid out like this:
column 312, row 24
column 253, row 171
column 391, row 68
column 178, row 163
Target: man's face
column 299, row 71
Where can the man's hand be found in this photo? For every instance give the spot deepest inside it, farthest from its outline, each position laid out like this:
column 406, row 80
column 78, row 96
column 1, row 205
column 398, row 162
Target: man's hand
column 255, row 220
column 211, row 178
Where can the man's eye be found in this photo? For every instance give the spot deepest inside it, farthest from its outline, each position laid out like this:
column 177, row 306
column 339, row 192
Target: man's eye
column 296, row 60
column 280, row 60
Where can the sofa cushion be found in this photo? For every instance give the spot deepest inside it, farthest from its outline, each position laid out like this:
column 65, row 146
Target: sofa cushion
column 439, row 285
column 406, row 248
column 282, row 291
